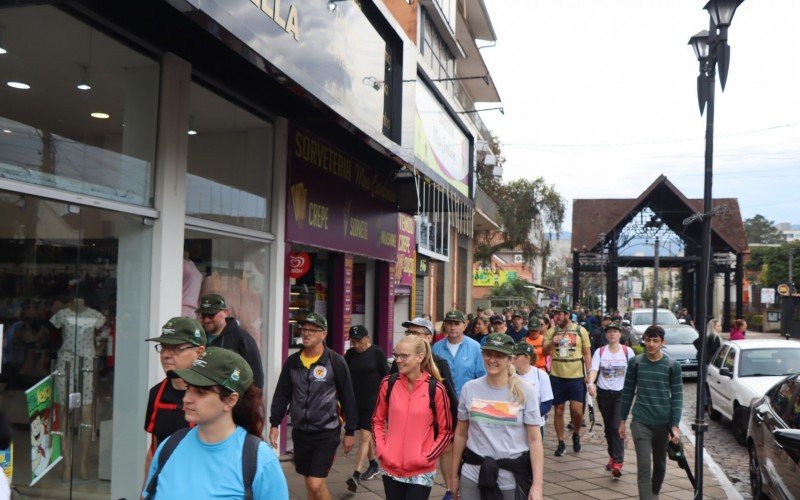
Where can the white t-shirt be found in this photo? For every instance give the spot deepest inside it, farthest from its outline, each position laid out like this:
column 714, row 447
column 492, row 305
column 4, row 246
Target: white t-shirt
column 497, row 425
column 453, row 347
column 611, row 367
column 540, row 380
column 5, row 491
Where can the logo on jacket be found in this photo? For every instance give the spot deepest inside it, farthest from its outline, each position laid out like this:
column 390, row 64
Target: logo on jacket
column 320, row 372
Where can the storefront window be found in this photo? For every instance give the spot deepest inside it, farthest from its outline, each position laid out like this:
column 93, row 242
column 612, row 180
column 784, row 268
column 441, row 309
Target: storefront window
column 84, row 120
column 74, row 308
column 234, row 268
column 230, row 162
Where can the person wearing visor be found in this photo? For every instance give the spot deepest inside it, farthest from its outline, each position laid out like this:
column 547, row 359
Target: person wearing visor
column 210, row 459
column 181, row 342
column 498, row 437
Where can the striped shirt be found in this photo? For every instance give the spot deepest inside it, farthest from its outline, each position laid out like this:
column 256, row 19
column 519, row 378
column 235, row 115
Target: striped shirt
column 659, row 400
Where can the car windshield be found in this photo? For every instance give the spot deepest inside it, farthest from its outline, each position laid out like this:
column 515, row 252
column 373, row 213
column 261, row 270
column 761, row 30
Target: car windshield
column 769, row 362
column 679, row 336
column 662, row 318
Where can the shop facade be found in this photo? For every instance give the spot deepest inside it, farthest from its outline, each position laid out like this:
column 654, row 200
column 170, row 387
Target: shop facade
column 148, row 155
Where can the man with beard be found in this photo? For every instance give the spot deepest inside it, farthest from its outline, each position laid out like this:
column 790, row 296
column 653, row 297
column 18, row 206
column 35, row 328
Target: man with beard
column 224, row 331
column 569, row 346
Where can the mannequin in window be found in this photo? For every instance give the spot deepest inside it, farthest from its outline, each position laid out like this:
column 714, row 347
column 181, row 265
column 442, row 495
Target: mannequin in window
column 192, row 280
column 79, row 325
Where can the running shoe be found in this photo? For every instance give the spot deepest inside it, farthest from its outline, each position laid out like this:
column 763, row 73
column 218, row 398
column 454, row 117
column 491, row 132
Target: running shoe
column 371, row 471
column 576, row 443
column 448, row 495
column 610, row 464
column 616, row 469
column 562, row 448
column 352, row 481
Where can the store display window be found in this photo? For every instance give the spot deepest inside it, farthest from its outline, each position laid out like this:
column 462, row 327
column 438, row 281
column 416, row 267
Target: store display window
column 78, row 110
column 309, row 278
column 229, row 163
column 232, row 267
column 74, row 311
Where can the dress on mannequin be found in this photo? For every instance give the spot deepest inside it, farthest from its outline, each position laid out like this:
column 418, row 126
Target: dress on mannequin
column 192, row 280
column 78, row 323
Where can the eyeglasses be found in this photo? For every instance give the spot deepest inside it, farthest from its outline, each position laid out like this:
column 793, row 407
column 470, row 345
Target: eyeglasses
column 310, row 331
column 171, row 348
column 401, row 356
column 412, row 332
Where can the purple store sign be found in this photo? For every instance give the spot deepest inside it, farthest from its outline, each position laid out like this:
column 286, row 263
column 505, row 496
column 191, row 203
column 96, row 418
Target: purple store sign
column 337, row 203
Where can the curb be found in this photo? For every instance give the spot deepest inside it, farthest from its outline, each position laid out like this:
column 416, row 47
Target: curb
column 715, row 469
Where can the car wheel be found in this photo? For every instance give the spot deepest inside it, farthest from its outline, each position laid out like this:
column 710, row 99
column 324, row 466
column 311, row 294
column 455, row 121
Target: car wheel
column 739, row 423
column 712, row 413
column 756, row 479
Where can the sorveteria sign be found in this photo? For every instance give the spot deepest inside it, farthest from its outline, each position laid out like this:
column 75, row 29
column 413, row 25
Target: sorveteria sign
column 273, row 9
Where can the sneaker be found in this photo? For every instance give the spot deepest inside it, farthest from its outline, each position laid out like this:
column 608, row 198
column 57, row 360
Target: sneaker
column 576, row 443
column 352, row 481
column 616, row 469
column 610, row 464
column 562, row 448
column 371, row 471
column 448, row 495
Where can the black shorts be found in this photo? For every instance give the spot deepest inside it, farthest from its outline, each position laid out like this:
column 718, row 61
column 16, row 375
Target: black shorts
column 365, row 420
column 314, row 451
column 567, row 389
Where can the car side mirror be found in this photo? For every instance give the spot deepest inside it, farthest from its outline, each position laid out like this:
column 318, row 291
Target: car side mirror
column 726, row 372
column 789, row 439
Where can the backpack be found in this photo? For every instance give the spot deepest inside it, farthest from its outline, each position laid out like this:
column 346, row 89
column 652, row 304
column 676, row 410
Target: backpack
column 249, row 459
column 624, row 350
column 431, row 399
column 638, row 359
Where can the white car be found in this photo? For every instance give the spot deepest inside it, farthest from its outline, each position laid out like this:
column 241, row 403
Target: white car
column 744, row 370
column 642, row 318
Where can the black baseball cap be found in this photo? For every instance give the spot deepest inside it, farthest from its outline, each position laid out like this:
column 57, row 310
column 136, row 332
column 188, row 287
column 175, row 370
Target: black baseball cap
column 358, row 332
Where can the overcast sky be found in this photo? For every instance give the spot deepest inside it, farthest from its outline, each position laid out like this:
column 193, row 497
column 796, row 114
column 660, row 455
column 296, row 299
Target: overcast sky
column 600, row 98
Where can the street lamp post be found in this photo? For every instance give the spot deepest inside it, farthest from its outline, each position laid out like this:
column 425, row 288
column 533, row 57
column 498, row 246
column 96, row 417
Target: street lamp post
column 712, row 51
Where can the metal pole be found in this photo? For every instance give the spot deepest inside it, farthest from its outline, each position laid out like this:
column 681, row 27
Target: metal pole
column 700, row 425
column 655, row 284
column 791, row 258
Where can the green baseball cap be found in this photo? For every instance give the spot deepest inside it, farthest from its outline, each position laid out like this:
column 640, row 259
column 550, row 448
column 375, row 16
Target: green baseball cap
column 181, row 330
column 613, row 326
column 534, row 322
column 316, row 320
column 455, row 316
column 499, row 342
column 211, row 303
column 218, row 366
column 523, row 348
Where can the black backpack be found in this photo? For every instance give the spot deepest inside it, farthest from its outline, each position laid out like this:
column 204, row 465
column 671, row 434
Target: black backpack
column 249, row 460
column 431, row 397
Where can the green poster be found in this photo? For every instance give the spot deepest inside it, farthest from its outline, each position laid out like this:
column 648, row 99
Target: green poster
column 45, row 446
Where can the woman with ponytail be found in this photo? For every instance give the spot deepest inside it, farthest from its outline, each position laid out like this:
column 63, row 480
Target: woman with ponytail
column 498, row 444
column 408, row 440
column 224, row 407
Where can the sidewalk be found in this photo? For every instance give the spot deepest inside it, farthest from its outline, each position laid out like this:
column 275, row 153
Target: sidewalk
column 573, row 476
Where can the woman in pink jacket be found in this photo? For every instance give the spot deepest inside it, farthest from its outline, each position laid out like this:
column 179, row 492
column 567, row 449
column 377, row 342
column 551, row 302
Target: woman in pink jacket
column 739, row 329
column 408, row 440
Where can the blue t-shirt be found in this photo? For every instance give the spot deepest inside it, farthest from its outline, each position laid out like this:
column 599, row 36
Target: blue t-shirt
column 200, row 470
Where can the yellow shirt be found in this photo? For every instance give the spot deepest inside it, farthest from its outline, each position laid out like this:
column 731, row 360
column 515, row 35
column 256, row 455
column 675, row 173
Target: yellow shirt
column 571, row 365
column 307, row 362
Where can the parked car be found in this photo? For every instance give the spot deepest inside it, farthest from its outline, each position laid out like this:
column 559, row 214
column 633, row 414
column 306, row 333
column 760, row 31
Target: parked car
column 773, row 442
column 642, row 318
column 743, row 370
column 679, row 345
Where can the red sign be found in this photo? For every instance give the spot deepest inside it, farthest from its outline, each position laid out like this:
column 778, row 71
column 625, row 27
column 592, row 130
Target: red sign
column 299, row 264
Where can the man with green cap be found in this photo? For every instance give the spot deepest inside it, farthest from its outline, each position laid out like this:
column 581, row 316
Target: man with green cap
column 224, row 331
column 181, row 342
column 314, row 384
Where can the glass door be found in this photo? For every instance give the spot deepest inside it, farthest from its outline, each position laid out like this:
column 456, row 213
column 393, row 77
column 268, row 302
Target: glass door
column 74, row 295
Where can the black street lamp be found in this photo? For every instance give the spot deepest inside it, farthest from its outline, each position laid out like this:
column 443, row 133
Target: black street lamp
column 712, row 51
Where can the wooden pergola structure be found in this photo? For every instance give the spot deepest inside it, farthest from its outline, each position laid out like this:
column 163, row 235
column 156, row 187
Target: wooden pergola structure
column 602, row 227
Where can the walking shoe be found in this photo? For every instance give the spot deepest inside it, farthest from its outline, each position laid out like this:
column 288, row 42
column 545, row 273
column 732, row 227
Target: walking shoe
column 610, row 464
column 448, row 495
column 371, row 471
column 562, row 448
column 576, row 443
column 616, row 469
column 352, row 481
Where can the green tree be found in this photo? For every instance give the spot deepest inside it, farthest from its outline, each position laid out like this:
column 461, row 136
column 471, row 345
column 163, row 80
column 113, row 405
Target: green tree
column 761, row 230
column 523, row 206
column 513, row 288
column 772, row 264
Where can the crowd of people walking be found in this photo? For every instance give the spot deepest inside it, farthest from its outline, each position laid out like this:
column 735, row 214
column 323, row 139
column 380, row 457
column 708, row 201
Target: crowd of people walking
column 473, row 404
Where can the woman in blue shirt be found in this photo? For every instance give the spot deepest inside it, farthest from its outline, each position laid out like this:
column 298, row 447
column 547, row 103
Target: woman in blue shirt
column 225, row 406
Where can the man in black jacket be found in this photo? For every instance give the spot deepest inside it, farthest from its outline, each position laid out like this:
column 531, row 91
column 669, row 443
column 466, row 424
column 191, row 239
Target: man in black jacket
column 313, row 384
column 225, row 332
